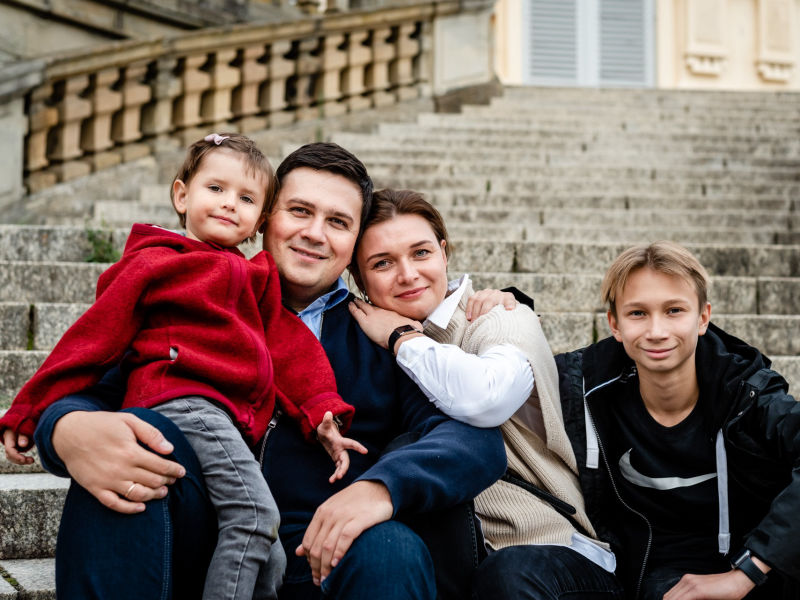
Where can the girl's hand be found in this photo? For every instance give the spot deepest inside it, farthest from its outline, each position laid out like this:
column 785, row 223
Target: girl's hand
column 336, row 445
column 481, row 302
column 379, row 323
column 15, row 446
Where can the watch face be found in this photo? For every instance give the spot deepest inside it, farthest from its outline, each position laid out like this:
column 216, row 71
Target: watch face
column 405, row 328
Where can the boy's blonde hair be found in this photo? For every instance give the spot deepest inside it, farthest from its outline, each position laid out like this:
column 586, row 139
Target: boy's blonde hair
column 254, row 160
column 664, row 257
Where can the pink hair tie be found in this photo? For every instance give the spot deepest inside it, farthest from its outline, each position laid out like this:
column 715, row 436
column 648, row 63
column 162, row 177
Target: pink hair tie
column 216, row 138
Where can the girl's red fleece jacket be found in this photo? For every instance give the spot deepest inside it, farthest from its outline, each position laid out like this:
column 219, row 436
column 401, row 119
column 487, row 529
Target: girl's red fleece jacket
column 188, row 318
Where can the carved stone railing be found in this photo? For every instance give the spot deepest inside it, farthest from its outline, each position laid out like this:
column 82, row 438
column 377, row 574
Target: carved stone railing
column 94, row 109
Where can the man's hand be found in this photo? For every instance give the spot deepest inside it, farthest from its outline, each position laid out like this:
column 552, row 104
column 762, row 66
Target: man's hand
column 15, row 446
column 102, row 453
column 337, row 445
column 732, row 585
column 340, row 520
column 482, row 301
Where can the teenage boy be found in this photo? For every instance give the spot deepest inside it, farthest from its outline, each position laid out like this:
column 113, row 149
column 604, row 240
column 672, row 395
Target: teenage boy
column 342, row 539
column 688, row 444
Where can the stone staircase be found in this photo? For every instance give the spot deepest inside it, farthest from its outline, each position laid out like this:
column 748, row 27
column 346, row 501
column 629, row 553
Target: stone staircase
column 541, row 189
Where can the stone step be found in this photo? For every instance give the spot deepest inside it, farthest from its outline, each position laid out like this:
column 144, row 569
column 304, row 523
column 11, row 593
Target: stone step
column 30, row 512
column 508, row 105
column 497, row 167
column 576, row 142
column 632, row 125
column 619, row 219
column 34, row 579
column 468, row 183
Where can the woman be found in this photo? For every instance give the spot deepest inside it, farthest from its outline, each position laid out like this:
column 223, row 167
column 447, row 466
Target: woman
column 494, row 370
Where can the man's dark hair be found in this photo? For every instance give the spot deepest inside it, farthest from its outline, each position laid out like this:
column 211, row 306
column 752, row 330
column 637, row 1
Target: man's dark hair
column 327, row 156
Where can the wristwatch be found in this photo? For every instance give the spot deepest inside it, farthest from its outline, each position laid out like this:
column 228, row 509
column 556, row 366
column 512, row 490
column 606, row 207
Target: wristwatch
column 398, row 333
column 744, row 562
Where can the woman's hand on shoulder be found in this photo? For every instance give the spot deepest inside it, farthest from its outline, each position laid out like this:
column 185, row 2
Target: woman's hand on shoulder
column 482, row 301
column 378, row 323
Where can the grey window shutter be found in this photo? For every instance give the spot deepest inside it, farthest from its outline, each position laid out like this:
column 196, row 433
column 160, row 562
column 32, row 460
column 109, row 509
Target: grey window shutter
column 623, row 39
column 553, row 42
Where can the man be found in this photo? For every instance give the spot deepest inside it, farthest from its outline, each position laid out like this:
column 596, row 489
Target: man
column 341, row 539
column 688, row 444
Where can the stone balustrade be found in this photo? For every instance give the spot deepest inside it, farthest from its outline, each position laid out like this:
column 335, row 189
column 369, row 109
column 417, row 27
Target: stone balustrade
column 94, row 109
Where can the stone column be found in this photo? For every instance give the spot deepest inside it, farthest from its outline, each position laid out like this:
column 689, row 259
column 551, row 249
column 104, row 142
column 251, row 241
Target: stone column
column 73, row 108
column 216, row 103
column 96, row 134
column 329, row 86
column 42, row 117
column 308, row 69
column 383, row 51
column 245, row 102
column 157, row 118
column 401, row 73
column 358, row 57
column 194, row 82
column 280, row 69
column 128, row 122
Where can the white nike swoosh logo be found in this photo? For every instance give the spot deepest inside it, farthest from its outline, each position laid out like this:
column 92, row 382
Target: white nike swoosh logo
column 657, row 483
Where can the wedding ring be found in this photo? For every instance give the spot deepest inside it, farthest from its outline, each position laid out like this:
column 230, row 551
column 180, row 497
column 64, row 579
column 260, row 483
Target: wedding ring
column 130, row 489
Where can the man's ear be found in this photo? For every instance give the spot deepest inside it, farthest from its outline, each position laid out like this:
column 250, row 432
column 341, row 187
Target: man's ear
column 705, row 319
column 612, row 323
column 179, row 196
column 443, row 243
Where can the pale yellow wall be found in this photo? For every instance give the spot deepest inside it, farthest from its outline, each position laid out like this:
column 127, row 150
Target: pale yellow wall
column 734, row 55
column 508, row 41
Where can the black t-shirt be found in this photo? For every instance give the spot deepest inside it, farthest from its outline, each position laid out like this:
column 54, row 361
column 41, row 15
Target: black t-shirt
column 669, row 475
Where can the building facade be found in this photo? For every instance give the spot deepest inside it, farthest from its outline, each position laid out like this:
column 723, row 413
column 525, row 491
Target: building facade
column 692, row 44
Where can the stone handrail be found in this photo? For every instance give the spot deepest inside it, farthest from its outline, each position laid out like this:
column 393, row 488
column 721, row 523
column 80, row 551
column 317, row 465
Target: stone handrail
column 97, row 108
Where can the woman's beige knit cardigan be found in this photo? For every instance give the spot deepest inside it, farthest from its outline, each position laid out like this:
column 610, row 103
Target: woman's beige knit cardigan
column 511, row 515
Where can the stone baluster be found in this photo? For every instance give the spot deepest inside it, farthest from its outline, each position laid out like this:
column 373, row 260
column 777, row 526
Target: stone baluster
column 96, row 132
column 401, row 72
column 127, row 130
column 245, row 101
column 157, row 118
column 424, row 62
column 309, row 62
column 383, row 51
column 194, row 81
column 359, row 55
column 73, row 108
column 280, row 69
column 42, row 117
column 329, row 86
column 216, row 102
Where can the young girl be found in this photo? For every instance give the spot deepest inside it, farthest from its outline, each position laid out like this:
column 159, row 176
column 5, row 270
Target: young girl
column 203, row 337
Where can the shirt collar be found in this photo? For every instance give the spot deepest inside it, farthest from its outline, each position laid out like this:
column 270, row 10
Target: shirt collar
column 329, row 299
column 442, row 314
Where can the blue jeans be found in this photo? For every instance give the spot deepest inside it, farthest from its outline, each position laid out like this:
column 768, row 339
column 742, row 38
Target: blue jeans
column 164, row 552
column 249, row 561
column 159, row 554
column 543, row 573
column 387, row 561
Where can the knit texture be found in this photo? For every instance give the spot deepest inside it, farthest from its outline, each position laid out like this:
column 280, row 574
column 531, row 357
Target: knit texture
column 511, row 515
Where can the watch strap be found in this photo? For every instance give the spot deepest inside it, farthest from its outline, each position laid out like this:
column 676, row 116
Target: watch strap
column 746, row 565
column 398, row 333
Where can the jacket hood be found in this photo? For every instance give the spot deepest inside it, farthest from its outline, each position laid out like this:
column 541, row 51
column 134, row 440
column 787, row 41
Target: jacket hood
column 145, row 236
column 722, row 362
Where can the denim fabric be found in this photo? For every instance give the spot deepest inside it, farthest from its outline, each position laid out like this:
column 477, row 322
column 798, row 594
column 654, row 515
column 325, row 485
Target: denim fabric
column 249, row 561
column 170, row 543
column 543, row 573
column 387, row 561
